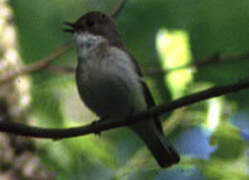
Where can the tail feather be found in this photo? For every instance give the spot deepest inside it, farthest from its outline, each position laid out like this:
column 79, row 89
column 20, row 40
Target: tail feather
column 162, row 150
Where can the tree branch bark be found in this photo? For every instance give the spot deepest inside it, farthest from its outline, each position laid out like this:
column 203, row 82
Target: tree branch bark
column 34, row 67
column 214, row 59
column 25, row 130
column 118, row 8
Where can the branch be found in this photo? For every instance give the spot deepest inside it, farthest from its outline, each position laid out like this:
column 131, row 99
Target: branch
column 45, row 62
column 117, row 9
column 216, row 58
column 41, row 64
column 24, row 130
column 155, row 71
column 61, row 69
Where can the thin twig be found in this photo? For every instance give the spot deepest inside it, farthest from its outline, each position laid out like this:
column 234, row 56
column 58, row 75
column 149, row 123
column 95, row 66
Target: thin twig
column 156, row 71
column 118, row 8
column 61, row 69
column 216, row 58
column 25, row 130
column 44, row 63
column 41, row 64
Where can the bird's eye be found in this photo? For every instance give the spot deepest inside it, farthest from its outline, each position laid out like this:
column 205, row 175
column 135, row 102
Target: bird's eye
column 89, row 23
column 87, row 45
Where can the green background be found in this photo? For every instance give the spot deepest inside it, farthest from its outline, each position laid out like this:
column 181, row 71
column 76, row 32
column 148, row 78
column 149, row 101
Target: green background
column 209, row 27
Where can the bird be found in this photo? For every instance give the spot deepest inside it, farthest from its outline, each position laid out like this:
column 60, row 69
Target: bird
column 110, row 82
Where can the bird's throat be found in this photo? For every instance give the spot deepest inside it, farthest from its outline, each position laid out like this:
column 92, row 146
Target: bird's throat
column 87, row 42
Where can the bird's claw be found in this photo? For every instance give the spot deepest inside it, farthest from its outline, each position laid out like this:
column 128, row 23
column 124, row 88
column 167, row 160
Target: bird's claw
column 94, row 125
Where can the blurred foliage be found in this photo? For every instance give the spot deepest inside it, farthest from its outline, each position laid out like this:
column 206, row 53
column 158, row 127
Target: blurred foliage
column 211, row 135
column 18, row 157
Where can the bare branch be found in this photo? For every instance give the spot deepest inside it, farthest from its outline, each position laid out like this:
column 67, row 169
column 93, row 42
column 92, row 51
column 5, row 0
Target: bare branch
column 216, row 58
column 157, row 71
column 41, row 64
column 61, row 69
column 24, row 130
column 118, row 8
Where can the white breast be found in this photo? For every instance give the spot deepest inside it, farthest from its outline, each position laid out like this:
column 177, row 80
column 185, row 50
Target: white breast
column 108, row 83
column 85, row 42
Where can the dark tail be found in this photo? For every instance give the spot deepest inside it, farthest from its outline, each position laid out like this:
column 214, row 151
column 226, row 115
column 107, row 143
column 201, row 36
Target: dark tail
column 162, row 150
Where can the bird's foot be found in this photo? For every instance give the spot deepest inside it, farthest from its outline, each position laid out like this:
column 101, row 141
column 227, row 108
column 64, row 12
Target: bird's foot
column 95, row 125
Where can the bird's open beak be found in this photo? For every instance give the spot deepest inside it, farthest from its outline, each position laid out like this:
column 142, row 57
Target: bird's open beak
column 71, row 28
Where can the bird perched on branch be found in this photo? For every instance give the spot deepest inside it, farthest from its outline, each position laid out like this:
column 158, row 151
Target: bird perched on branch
column 110, row 82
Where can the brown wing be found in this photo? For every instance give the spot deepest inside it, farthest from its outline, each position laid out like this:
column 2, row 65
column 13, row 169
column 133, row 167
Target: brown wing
column 148, row 97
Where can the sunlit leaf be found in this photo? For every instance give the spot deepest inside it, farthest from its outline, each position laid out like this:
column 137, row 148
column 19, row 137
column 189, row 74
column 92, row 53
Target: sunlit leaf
column 174, row 51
